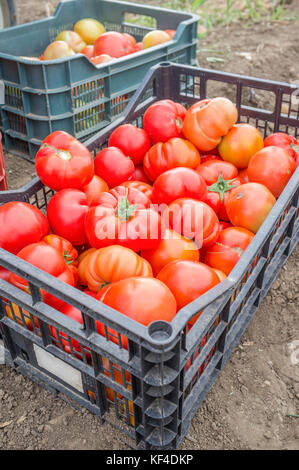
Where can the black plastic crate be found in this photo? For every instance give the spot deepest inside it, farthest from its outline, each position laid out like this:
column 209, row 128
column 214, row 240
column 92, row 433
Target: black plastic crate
column 156, row 386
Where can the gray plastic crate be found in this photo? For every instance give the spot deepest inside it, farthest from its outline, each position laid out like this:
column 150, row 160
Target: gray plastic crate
column 73, row 94
column 166, row 371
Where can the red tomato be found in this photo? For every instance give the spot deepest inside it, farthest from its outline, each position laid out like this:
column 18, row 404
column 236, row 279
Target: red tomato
column 224, row 225
column 131, row 140
column 113, row 166
column 93, row 190
column 163, row 120
column 50, row 260
column 207, row 157
column 248, row 205
column 130, row 38
column 140, row 175
column 101, row 59
column 173, row 247
column 21, row 224
column 145, row 188
column 218, row 193
column 240, row 144
column 208, row 120
column 244, row 175
column 134, row 197
column 285, row 141
column 88, row 51
column 66, row 213
column 138, row 47
column 172, row 154
column 64, row 162
column 188, row 280
column 177, row 183
column 114, row 44
column 170, row 32
column 228, row 249
column 272, row 167
column 145, row 300
column 69, row 253
column 210, row 170
column 118, row 221
column 193, row 219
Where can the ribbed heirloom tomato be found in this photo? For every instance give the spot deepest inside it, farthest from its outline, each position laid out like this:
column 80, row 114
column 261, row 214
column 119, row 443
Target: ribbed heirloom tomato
column 64, row 162
column 209, row 120
column 113, row 263
column 175, row 153
column 131, row 140
column 177, row 183
column 188, row 280
column 123, row 218
column 273, row 167
column 228, row 249
column 20, row 225
column 145, row 188
column 65, row 247
column 173, row 247
column 163, row 120
column 193, row 219
column 248, row 205
column 145, row 300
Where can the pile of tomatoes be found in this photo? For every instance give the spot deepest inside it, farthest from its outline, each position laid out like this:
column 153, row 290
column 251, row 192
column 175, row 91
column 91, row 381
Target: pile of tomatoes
column 158, row 218
column 89, row 37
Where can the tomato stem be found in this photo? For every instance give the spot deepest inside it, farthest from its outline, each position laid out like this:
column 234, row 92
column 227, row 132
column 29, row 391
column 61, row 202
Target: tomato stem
column 125, row 210
column 222, row 186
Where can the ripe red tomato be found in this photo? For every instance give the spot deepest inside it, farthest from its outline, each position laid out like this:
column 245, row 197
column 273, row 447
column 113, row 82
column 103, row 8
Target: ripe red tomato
column 113, row 166
column 240, row 144
column 285, row 141
column 88, row 51
column 93, row 190
column 209, row 120
column 138, row 47
column 210, row 170
column 134, row 197
column 66, row 213
column 145, row 300
column 140, row 175
column 65, row 247
column 218, row 193
column 228, row 249
column 172, row 154
column 193, row 219
column 64, row 162
column 224, row 225
column 145, row 188
column 188, row 280
column 114, row 44
column 170, row 32
column 207, row 157
column 130, row 38
column 163, row 120
column 272, row 167
column 119, row 221
column 50, row 260
column 173, row 247
column 21, row 224
column 132, row 141
column 177, row 183
column 101, row 59
column 248, row 205
column 243, row 174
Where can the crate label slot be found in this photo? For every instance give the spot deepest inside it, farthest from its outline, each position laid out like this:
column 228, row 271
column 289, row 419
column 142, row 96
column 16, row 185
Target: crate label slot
column 57, row 367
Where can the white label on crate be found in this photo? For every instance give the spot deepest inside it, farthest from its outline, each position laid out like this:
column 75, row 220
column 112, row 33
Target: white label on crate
column 63, row 371
column 2, row 355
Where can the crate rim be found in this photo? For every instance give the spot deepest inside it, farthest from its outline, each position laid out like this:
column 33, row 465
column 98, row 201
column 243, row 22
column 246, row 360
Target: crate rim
column 192, row 17
column 179, row 321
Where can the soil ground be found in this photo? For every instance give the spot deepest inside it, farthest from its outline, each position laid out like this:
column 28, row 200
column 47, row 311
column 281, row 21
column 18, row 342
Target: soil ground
column 250, row 405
